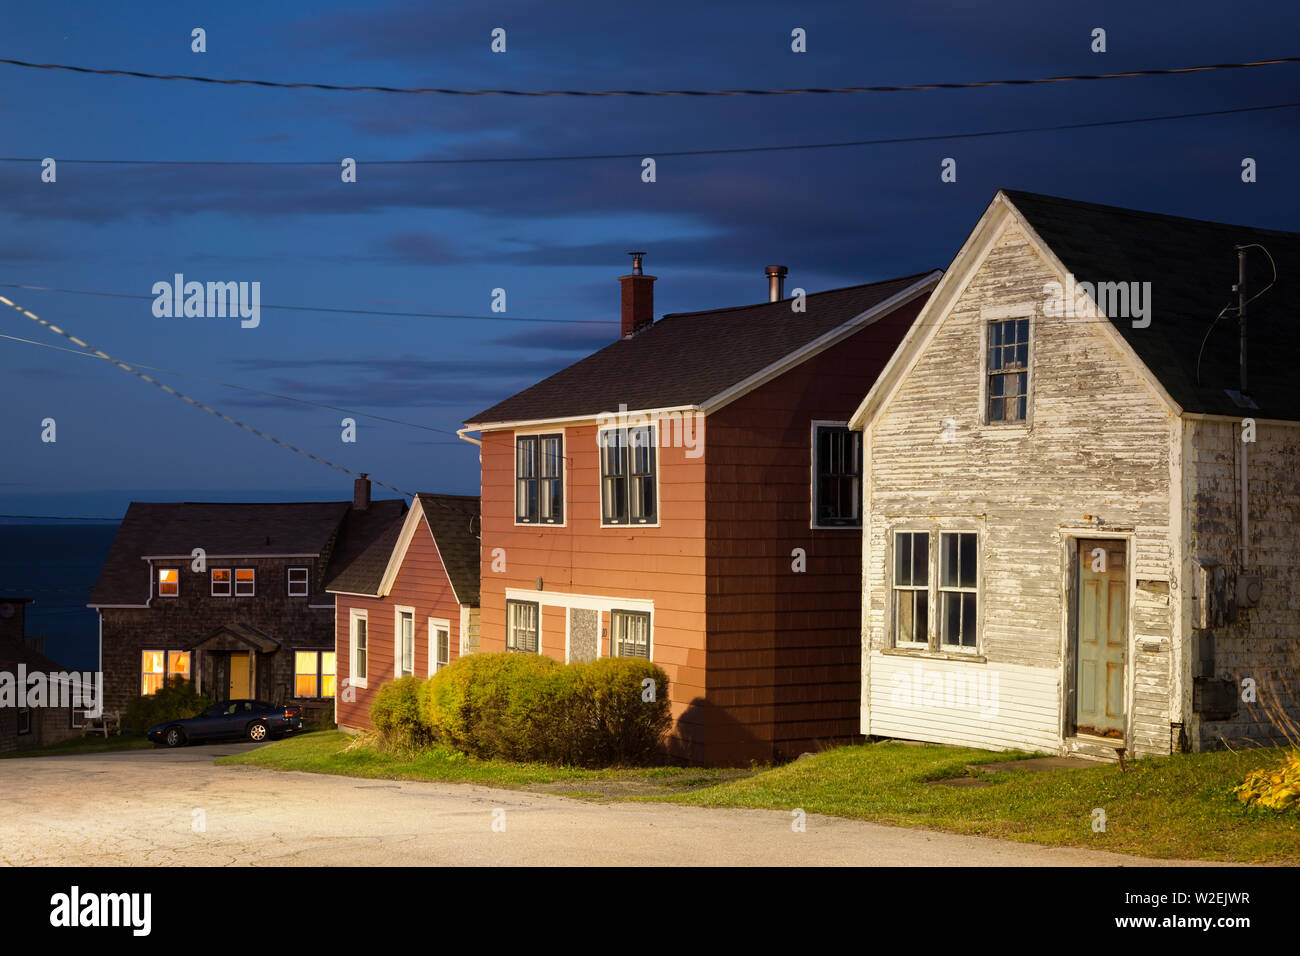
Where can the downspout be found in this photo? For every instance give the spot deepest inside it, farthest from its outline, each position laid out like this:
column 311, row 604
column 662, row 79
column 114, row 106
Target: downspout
column 1245, row 515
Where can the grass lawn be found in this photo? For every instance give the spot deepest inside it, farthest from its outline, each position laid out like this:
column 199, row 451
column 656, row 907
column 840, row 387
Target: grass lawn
column 86, row 745
column 1172, row 807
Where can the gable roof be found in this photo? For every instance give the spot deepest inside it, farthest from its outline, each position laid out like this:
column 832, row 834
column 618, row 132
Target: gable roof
column 1192, row 267
column 153, row 529
column 688, row 359
column 453, row 522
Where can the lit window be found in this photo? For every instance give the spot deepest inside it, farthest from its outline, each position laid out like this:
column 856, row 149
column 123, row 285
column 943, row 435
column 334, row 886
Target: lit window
column 305, row 665
column 297, row 582
column 178, row 664
column 245, row 582
column 327, row 671
column 221, row 582
column 169, row 582
column 153, row 671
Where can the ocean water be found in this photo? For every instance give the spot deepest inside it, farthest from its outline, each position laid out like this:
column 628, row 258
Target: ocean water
column 56, row 566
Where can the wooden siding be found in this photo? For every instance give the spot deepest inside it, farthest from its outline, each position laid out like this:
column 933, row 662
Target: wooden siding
column 421, row 583
column 1264, row 642
column 1095, row 455
column 663, row 564
column 784, row 647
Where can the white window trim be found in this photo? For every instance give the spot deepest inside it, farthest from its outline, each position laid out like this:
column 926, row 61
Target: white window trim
column 159, row 572
column 812, row 478
column 535, row 599
column 398, row 611
column 564, row 476
column 354, row 615
column 650, row 632
column 600, row 481
column 212, row 583
column 939, row 590
column 989, row 315
column 306, row 583
column 235, row 582
column 934, row 637
column 434, row 624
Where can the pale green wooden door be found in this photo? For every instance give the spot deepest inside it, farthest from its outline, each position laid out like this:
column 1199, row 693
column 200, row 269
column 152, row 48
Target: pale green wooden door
column 1101, row 625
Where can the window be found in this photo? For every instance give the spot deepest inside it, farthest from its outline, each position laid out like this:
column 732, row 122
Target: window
column 24, row 720
column 359, row 647
column 911, row 587
column 169, row 582
column 328, row 668
column 245, row 582
column 221, row 582
column 1007, row 371
column 837, row 477
column 628, row 463
column 77, row 715
column 539, row 479
column 631, row 633
column 958, row 565
column 523, row 626
column 439, row 644
column 956, row 590
column 405, row 650
column 157, row 666
column 313, row 674
column 297, row 582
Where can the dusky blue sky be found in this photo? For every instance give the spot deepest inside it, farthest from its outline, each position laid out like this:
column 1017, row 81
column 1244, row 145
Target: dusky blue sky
column 554, row 235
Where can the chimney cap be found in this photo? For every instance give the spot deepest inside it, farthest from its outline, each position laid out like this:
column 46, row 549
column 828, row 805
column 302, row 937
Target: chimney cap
column 636, row 262
column 777, row 271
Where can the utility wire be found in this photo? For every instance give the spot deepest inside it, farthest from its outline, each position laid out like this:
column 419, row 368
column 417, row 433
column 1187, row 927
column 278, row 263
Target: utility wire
column 195, row 402
column 719, row 151
column 245, row 388
column 59, row 518
column 334, row 87
column 314, row 308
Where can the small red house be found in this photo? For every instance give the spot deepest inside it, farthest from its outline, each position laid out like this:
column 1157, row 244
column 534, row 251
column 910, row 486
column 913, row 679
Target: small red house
column 692, row 494
column 408, row 604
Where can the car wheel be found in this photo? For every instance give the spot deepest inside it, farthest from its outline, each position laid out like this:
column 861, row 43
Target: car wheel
column 174, row 737
column 257, row 732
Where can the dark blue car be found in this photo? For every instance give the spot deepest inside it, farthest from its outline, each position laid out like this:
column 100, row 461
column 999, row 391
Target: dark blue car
column 254, row 719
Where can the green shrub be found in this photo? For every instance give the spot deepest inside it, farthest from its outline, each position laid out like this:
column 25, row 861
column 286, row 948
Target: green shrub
column 529, row 707
column 396, row 716
column 175, row 700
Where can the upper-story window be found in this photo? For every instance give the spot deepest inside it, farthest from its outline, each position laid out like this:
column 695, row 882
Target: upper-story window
column 628, row 472
column 1007, row 371
column 245, row 582
column 837, row 477
column 297, row 582
column 539, row 479
column 169, row 582
column 221, row 582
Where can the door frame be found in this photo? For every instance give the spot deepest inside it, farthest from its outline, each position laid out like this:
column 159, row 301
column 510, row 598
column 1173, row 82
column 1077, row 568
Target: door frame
column 1070, row 538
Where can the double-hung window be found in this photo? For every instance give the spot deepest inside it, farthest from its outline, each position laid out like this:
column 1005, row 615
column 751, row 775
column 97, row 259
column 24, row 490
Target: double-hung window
column 220, row 582
column 169, row 582
column 539, row 479
column 157, row 667
column 1007, row 371
column 837, row 476
column 245, row 582
column 523, row 626
column 953, row 591
column 297, row 582
column 631, row 633
column 628, row 472
column 405, row 642
column 360, row 649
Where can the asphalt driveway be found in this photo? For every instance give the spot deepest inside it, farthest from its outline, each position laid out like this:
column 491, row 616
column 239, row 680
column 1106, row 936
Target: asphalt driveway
column 173, row 807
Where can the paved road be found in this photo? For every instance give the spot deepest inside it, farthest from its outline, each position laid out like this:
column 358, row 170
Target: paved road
column 138, row 808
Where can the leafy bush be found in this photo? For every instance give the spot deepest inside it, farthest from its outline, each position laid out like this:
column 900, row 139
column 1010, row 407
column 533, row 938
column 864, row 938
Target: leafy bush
column 530, row 707
column 1275, row 787
column 396, row 716
column 175, row 700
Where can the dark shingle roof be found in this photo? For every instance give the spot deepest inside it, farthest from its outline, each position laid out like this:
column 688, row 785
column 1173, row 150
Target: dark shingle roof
column 245, row 530
column 364, row 543
column 1192, row 267
column 454, row 521
column 687, row 358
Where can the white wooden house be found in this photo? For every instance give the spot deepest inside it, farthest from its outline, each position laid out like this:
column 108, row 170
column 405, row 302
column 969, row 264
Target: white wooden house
column 1073, row 541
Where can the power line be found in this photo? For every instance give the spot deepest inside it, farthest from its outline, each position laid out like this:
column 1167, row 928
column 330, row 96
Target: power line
column 245, row 388
column 314, row 308
column 718, row 151
column 334, row 87
column 195, row 402
column 59, row 518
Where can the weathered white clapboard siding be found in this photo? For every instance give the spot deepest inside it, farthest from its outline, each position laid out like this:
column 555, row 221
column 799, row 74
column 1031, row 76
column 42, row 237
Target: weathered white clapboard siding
column 1096, row 455
column 923, row 700
column 1264, row 642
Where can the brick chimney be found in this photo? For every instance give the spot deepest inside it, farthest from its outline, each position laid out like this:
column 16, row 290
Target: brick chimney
column 361, row 493
column 638, row 298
